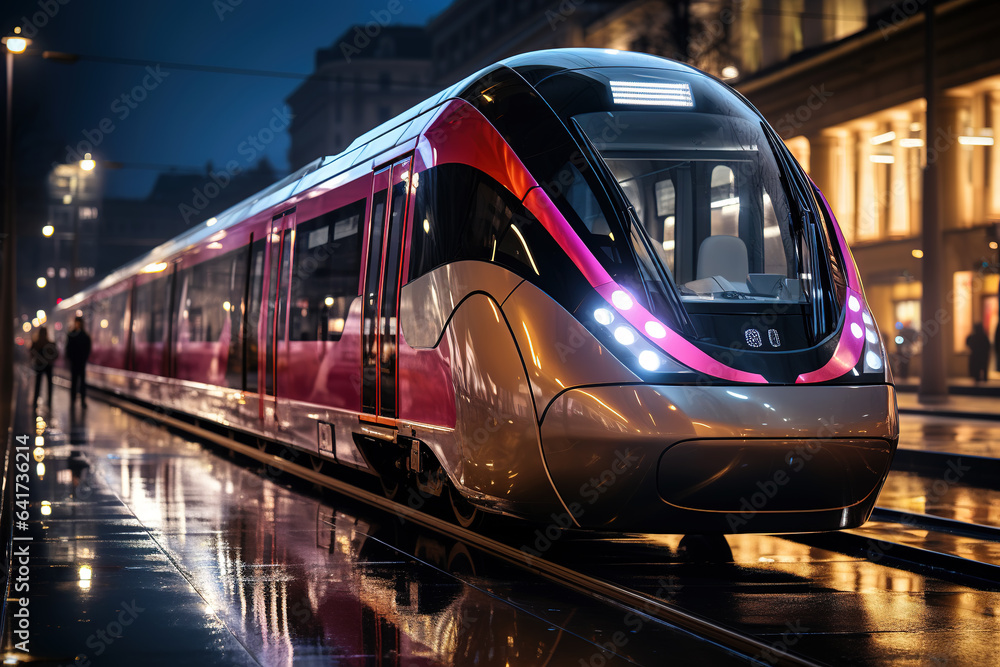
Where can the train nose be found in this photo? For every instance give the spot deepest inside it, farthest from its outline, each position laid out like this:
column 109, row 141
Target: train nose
column 729, row 459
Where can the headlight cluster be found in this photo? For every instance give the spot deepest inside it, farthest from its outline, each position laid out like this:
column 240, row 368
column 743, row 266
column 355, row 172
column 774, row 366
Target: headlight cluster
column 633, row 347
column 873, row 355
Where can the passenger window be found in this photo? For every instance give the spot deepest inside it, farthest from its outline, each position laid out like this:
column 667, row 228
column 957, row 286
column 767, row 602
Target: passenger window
column 666, row 222
column 208, row 291
column 725, row 202
column 326, row 273
column 775, row 255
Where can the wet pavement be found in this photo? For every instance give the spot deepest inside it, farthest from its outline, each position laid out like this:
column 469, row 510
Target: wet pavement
column 953, row 489
column 152, row 549
column 975, row 437
column 930, row 494
column 832, row 608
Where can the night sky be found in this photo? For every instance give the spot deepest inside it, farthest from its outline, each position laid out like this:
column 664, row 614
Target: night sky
column 187, row 117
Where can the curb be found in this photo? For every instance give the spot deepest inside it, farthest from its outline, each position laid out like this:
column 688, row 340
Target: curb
column 953, row 414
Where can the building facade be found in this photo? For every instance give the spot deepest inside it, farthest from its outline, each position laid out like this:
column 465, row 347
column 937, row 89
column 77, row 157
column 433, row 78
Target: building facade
column 364, row 78
column 855, row 114
column 841, row 80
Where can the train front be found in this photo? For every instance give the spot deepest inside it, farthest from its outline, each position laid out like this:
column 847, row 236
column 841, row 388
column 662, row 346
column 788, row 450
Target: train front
column 730, row 376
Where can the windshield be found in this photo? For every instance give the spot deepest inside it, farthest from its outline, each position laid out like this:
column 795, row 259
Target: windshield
column 707, row 195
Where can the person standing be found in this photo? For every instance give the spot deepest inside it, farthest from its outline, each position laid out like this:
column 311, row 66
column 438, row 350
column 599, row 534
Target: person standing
column 43, row 356
column 77, row 352
column 979, row 357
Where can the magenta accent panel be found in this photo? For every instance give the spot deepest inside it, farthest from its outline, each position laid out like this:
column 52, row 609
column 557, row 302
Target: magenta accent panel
column 147, row 358
column 426, row 387
column 849, row 347
column 325, row 372
column 460, row 134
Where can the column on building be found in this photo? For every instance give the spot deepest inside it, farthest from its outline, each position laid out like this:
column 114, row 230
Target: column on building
column 899, row 195
column 993, row 185
column 843, row 18
column 955, row 188
column 772, row 24
column 867, row 221
column 832, row 169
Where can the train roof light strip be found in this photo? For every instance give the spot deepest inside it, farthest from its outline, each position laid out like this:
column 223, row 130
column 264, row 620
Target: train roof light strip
column 652, row 94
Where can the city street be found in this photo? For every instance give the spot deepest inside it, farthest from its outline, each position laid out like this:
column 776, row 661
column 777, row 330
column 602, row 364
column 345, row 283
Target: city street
column 181, row 552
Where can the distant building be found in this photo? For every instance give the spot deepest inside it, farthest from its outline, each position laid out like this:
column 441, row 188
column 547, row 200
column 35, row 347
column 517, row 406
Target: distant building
column 854, row 113
column 359, row 82
column 75, row 209
column 177, row 201
column 841, row 80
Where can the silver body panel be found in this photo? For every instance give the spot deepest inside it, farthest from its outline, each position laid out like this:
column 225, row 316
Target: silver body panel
column 604, row 446
column 425, row 304
column 558, row 351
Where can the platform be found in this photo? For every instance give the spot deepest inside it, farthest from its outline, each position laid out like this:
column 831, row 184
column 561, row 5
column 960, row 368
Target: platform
column 148, row 547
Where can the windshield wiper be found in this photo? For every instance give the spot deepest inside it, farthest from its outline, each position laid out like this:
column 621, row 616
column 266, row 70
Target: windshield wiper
column 809, row 228
column 677, row 308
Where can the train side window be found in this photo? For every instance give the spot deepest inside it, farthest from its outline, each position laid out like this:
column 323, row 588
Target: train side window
column 142, row 314
column 205, row 291
column 234, row 307
column 460, row 213
column 326, row 273
column 253, row 316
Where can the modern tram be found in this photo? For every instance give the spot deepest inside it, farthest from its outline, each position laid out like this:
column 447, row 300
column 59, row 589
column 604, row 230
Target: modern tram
column 584, row 287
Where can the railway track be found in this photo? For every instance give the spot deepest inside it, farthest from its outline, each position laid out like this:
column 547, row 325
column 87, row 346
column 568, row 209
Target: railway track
column 739, row 643
column 616, row 589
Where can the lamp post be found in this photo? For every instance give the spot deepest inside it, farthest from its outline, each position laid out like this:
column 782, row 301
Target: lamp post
column 14, row 44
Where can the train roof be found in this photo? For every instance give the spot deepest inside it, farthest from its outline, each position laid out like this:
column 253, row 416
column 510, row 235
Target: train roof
column 534, row 66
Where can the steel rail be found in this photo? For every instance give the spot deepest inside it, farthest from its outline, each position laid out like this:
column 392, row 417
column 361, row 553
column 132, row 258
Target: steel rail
column 944, row 566
column 728, row 638
column 982, row 471
column 938, row 524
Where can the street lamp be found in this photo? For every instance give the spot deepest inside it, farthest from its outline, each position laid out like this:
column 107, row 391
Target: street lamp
column 41, row 282
column 15, row 43
column 87, row 163
column 48, row 230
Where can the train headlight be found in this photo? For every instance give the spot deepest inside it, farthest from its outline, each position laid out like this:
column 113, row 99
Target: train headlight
column 621, row 299
column 604, row 316
column 873, row 354
column 655, row 329
column 624, row 335
column 649, row 360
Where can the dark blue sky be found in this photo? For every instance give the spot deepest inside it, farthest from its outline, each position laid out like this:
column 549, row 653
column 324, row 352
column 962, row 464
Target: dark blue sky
column 186, row 118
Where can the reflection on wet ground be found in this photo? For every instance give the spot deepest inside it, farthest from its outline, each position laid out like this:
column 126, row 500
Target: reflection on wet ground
column 972, row 437
column 931, row 494
column 946, row 543
column 176, row 554
column 943, row 492
column 830, row 607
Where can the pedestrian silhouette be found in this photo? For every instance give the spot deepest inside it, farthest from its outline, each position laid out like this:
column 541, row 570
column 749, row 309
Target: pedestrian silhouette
column 77, row 352
column 43, row 355
column 979, row 358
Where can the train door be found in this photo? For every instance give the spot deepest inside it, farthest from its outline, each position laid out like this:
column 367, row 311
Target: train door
column 380, row 327
column 272, row 356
